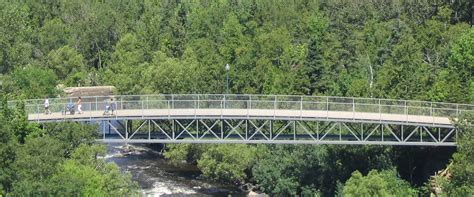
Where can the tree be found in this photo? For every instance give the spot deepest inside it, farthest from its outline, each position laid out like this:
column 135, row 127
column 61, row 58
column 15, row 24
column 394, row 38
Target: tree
column 461, row 182
column 86, row 174
column 53, row 35
column 314, row 64
column 384, row 183
column 177, row 153
column 72, row 135
column 173, row 75
column 462, row 61
column 7, row 151
column 68, row 65
column 277, row 173
column 31, row 82
column 293, row 170
column 37, row 160
column 403, row 74
column 16, row 48
column 227, row 162
column 127, row 66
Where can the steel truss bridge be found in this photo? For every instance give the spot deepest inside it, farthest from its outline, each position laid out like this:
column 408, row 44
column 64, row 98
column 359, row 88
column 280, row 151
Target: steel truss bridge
column 266, row 119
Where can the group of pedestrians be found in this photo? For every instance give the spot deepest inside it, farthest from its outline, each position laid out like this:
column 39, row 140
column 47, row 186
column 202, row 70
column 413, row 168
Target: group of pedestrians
column 110, row 107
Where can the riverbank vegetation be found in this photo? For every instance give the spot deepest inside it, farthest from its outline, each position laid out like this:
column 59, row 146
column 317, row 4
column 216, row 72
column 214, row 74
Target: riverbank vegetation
column 59, row 160
column 420, row 50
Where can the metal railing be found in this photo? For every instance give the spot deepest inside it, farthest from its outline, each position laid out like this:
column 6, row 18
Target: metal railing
column 268, row 102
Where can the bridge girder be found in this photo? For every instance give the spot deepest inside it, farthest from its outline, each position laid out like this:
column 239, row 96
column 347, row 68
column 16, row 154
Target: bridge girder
column 268, row 131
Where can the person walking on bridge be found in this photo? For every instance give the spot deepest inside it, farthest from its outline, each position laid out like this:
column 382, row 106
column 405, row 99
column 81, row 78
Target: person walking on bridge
column 46, row 106
column 79, row 105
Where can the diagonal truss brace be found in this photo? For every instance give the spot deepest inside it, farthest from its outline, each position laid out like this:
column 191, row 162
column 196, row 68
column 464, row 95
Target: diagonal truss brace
column 309, row 132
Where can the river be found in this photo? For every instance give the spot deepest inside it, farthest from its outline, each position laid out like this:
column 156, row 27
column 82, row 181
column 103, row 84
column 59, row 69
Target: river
column 157, row 177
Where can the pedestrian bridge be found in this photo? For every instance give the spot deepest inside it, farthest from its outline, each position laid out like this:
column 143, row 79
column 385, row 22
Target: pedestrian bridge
column 270, row 119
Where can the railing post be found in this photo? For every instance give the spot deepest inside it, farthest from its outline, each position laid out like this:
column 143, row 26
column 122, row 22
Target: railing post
column 274, row 105
column 169, row 108
column 327, row 103
column 63, row 108
column 96, row 104
column 147, row 102
column 249, row 105
column 353, row 104
column 327, row 107
column 301, row 107
column 37, row 110
column 380, row 111
column 250, row 102
column 121, row 102
column 301, row 103
column 274, row 102
column 457, row 110
column 406, row 111
column 222, row 106
column 431, row 109
column 353, row 108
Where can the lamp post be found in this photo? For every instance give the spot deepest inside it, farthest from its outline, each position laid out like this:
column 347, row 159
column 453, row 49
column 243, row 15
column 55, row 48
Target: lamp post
column 227, row 68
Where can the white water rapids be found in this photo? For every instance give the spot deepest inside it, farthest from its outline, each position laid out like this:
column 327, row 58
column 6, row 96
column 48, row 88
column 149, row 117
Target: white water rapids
column 157, row 177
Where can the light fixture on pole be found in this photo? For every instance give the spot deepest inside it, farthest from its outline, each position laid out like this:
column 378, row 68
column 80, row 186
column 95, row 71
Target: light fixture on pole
column 227, row 68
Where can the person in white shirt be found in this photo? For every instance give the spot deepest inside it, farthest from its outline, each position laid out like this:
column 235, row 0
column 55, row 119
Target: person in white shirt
column 46, row 106
column 79, row 105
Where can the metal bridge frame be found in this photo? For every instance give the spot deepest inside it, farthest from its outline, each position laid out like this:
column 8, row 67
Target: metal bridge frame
column 255, row 131
column 275, row 119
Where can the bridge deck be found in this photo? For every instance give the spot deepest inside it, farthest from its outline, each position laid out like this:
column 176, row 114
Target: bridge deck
column 246, row 114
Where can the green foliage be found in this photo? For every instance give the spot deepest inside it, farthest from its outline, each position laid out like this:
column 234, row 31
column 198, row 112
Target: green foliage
column 53, row 34
column 88, row 175
column 62, row 159
column 227, row 162
column 384, row 183
column 282, row 169
column 68, row 65
column 292, row 170
column 462, row 62
column 37, row 160
column 315, row 67
column 177, row 153
column 75, row 134
column 128, row 66
column 31, row 82
column 462, row 168
column 8, row 145
column 74, row 178
column 369, row 49
column 16, row 30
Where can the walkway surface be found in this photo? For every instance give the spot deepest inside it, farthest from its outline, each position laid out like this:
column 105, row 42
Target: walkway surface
column 251, row 107
column 246, row 114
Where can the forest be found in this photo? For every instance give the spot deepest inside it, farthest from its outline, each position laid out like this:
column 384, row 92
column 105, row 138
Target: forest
column 400, row 49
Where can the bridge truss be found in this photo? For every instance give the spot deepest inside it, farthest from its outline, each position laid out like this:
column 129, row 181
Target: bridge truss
column 273, row 131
